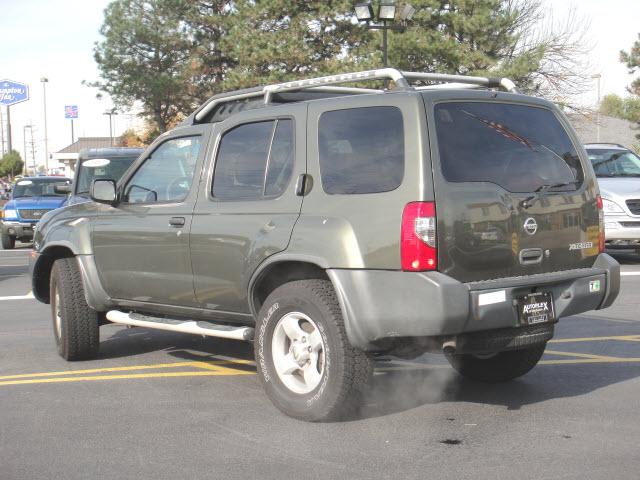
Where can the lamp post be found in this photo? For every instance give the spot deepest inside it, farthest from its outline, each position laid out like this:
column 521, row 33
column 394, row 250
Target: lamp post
column 598, row 76
column 111, row 113
column 44, row 81
column 24, row 139
column 386, row 14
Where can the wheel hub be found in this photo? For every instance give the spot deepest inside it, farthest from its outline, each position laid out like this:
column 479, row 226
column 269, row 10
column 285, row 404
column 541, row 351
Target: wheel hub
column 298, row 352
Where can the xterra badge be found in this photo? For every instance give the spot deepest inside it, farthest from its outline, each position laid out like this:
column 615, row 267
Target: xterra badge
column 580, row 246
column 530, row 226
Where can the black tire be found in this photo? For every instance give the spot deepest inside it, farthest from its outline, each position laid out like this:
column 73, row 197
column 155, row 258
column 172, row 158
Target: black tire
column 8, row 242
column 77, row 334
column 501, row 367
column 347, row 370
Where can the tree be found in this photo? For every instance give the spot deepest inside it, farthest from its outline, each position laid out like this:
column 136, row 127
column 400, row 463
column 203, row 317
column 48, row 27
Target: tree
column 11, row 164
column 509, row 38
column 170, row 55
column 627, row 108
column 146, row 57
column 130, row 138
column 632, row 59
column 277, row 40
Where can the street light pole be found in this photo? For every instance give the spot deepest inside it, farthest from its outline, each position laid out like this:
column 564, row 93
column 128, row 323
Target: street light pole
column 44, row 81
column 598, row 76
column 111, row 113
column 24, row 138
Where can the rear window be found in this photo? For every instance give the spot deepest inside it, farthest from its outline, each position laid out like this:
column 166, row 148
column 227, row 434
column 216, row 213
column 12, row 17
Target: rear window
column 518, row 147
column 361, row 150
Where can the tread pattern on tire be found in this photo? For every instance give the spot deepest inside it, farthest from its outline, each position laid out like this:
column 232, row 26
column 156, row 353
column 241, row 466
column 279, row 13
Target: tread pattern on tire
column 358, row 365
column 502, row 367
column 80, row 333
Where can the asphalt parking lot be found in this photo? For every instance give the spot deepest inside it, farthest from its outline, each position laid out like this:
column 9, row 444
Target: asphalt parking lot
column 162, row 405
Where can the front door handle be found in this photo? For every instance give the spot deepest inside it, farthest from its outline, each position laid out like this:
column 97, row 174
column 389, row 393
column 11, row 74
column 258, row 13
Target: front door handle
column 176, row 222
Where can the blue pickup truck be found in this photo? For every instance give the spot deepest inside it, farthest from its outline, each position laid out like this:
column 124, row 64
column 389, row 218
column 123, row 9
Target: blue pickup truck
column 31, row 198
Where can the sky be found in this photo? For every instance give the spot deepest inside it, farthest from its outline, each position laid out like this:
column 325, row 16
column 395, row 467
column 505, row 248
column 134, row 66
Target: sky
column 55, row 39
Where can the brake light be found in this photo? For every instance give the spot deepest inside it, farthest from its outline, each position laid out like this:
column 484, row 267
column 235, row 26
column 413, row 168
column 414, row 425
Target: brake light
column 418, row 250
column 600, row 225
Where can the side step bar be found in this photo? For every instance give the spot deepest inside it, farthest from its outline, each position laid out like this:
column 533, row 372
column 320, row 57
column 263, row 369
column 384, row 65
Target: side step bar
column 189, row 326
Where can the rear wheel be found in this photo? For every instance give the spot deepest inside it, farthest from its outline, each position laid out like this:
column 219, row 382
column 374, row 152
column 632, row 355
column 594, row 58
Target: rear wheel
column 308, row 367
column 75, row 324
column 8, row 242
column 498, row 367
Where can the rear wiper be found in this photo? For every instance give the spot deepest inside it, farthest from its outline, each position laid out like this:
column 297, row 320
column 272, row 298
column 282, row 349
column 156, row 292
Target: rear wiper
column 543, row 189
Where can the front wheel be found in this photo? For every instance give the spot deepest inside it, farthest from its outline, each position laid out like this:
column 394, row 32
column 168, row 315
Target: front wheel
column 499, row 367
column 308, row 367
column 75, row 324
column 8, row 242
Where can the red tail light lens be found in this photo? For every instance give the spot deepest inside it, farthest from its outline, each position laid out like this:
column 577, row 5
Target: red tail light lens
column 601, row 225
column 418, row 248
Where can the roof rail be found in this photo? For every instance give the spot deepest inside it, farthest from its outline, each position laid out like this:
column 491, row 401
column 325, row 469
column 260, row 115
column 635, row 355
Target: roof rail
column 328, row 83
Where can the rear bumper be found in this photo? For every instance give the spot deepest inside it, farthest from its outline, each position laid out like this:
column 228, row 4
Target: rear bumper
column 18, row 229
column 378, row 305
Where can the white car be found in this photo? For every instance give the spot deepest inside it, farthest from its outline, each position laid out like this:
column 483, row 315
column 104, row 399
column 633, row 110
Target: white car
column 618, row 171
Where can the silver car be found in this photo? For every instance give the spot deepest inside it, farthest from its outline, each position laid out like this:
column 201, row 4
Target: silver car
column 618, row 172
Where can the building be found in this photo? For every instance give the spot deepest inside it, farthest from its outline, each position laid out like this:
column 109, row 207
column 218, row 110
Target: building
column 64, row 161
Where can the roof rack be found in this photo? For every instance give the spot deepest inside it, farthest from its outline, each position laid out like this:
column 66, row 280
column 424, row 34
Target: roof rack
column 328, row 83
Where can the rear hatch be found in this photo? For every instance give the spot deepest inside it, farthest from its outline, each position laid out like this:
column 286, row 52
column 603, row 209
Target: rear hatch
column 512, row 196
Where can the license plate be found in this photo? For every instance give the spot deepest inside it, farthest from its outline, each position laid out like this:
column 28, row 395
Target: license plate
column 536, row 308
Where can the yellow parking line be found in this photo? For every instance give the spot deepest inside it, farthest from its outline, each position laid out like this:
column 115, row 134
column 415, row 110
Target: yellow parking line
column 121, row 369
column 633, row 338
column 130, row 376
column 581, row 355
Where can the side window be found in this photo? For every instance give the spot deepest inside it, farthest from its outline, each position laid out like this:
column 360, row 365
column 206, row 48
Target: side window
column 167, row 175
column 254, row 161
column 361, row 150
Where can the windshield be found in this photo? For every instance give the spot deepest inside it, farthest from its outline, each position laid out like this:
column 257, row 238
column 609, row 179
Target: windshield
column 614, row 163
column 520, row 148
column 39, row 187
column 93, row 169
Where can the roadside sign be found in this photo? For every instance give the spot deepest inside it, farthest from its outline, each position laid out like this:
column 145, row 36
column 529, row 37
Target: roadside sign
column 71, row 111
column 13, row 92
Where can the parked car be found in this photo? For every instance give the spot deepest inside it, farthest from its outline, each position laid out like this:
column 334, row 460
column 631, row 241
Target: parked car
column 618, row 172
column 95, row 163
column 331, row 224
column 31, row 198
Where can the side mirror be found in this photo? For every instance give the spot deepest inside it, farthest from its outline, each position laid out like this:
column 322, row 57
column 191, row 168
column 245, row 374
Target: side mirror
column 103, row 191
column 62, row 188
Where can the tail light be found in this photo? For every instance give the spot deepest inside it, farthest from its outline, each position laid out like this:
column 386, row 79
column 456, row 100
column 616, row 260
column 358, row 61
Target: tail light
column 600, row 225
column 418, row 251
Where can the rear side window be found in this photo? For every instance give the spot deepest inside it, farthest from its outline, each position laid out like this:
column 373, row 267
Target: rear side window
column 518, row 147
column 361, row 150
column 254, row 160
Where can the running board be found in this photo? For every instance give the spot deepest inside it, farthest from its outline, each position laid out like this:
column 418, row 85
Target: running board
column 189, row 326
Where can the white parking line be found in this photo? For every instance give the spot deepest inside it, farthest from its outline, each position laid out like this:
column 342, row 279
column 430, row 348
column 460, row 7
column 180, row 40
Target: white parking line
column 28, row 296
column 629, row 273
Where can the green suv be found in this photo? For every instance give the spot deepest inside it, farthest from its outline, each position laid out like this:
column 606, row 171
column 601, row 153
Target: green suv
column 330, row 224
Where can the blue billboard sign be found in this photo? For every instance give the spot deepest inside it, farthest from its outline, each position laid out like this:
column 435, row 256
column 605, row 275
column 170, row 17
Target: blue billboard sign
column 13, row 92
column 71, row 111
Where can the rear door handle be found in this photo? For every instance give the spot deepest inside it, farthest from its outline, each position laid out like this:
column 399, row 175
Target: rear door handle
column 176, row 222
column 530, row 256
